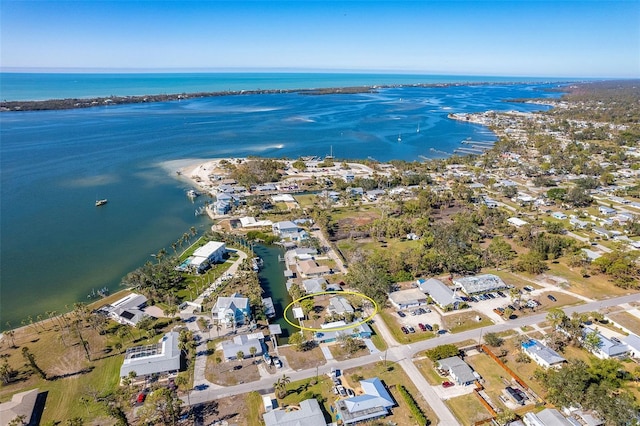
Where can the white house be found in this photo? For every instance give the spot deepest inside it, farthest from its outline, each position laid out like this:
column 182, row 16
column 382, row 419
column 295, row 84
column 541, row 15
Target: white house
column 285, row 229
column 441, row 294
column 209, row 253
column 243, row 343
column 607, row 348
column 541, row 354
column 128, row 310
column 459, row 370
column 559, row 215
column 403, row 299
column 339, row 305
column 375, row 402
column 633, row 343
column 314, row 285
column 308, row 414
column 517, row 222
column 231, row 310
column 159, row 358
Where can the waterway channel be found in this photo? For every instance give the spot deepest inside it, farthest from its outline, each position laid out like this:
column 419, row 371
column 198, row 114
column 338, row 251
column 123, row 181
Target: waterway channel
column 273, row 283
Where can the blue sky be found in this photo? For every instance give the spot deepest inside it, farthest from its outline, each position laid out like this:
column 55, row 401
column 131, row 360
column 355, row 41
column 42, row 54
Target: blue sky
column 508, row 38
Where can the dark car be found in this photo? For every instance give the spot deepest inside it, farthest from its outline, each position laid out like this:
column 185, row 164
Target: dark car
column 501, row 294
column 401, row 314
column 422, row 327
column 447, row 384
column 404, row 330
column 428, row 327
column 552, row 298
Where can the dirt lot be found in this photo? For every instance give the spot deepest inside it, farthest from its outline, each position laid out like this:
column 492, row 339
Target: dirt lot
column 232, row 372
column 299, row 360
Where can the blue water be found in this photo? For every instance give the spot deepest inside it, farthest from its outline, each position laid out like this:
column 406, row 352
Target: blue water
column 56, row 245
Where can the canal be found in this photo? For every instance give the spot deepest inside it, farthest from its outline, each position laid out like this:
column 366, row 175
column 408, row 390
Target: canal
column 273, row 283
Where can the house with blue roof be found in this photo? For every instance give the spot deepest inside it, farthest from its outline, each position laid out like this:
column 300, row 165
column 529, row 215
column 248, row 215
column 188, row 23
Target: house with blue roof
column 333, row 331
column 375, row 402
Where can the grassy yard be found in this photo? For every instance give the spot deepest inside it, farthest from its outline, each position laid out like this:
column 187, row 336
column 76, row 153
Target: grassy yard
column 595, row 286
column 302, row 359
column 628, row 321
column 464, row 321
column 468, row 409
column 307, row 200
column 230, row 373
column 427, row 368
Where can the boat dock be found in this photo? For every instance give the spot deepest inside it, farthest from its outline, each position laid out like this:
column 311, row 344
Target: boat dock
column 269, row 309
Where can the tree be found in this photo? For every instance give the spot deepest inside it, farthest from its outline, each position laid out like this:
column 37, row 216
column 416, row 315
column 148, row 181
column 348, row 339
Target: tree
column 240, row 356
column 556, row 317
column 592, row 340
column 499, row 251
column 281, row 386
column 7, row 373
column 368, row 273
column 161, row 406
column 253, row 351
column 442, row 352
column 31, row 361
column 507, row 312
column 10, row 334
column 493, row 339
column 532, row 263
column 297, row 340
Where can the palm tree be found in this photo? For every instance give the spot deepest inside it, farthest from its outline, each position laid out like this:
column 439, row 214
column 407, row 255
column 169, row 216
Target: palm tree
column 253, row 350
column 281, row 386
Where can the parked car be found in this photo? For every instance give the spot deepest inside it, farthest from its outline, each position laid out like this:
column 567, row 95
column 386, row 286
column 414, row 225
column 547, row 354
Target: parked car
column 428, row 327
column 552, row 298
column 501, row 294
column 401, row 314
column 498, row 311
column 342, row 390
column 447, row 384
column 490, row 296
column 411, row 329
column 141, row 397
column 474, row 299
column 422, row 327
column 528, row 288
column 404, row 330
column 350, row 392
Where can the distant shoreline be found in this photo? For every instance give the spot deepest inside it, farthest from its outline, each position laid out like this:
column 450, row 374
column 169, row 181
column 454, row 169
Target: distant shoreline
column 76, row 103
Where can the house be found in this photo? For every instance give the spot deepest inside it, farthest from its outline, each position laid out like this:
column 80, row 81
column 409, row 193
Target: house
column 251, row 222
column 490, row 203
column 459, row 370
column 403, row 299
column 439, row 292
column 304, row 253
column 546, row 417
column 333, row 331
column 607, row 211
column 231, row 310
column 308, row 414
column 591, row 255
column 517, row 222
column 309, row 268
column 285, row 229
column 374, row 194
column 243, row 343
column 314, row 285
column 375, row 402
column 206, row 255
column 559, row 215
column 542, row 355
column 601, row 232
column 128, row 310
column 355, row 192
column 480, row 283
column 633, row 343
column 607, row 348
column 339, row 305
column 159, row 358
column 21, row 404
column 577, row 223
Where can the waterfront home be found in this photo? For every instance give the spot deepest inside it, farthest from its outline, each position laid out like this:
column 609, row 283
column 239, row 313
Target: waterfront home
column 403, row 299
column 308, row 413
column 22, row 404
column 339, row 305
column 251, row 222
column 439, row 292
column 541, row 354
column 479, row 283
column 606, row 348
column 375, row 402
column 231, row 311
column 149, row 360
column 458, row 370
column 333, row 331
column 314, row 285
column 287, row 229
column 243, row 343
column 206, row 255
column 309, row 268
column 128, row 310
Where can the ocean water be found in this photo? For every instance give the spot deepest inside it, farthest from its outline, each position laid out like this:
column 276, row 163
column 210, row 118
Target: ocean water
column 56, row 246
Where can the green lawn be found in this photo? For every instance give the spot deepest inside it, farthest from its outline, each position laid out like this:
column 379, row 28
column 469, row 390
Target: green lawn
column 468, row 409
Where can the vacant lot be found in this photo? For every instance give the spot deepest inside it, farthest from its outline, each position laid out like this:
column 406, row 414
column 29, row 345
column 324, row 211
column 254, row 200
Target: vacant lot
column 233, row 372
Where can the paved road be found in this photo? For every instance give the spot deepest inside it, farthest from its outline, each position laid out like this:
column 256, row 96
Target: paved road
column 330, row 252
column 402, row 354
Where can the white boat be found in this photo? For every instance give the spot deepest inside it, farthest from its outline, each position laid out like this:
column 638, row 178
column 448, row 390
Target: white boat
column 418, row 131
column 101, row 202
column 400, row 137
column 330, row 156
column 192, row 193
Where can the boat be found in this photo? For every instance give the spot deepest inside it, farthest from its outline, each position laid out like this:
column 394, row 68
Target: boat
column 101, row 202
column 192, row 193
column 202, row 210
column 329, row 156
column 256, row 263
column 400, row 137
column 418, row 131
column 269, row 309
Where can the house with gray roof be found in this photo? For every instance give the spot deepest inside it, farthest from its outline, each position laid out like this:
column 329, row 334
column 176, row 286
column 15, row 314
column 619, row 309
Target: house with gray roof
column 339, row 305
column 21, row 404
column 541, row 354
column 309, row 414
column 403, row 299
column 314, row 285
column 333, row 331
column 546, row 417
column 439, row 292
column 129, row 309
column 374, row 403
column 459, row 370
column 480, row 283
column 159, row 358
column 242, row 343
column 607, row 348
column 633, row 342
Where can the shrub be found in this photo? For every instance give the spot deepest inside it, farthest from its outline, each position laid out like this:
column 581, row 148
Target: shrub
column 416, row 411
